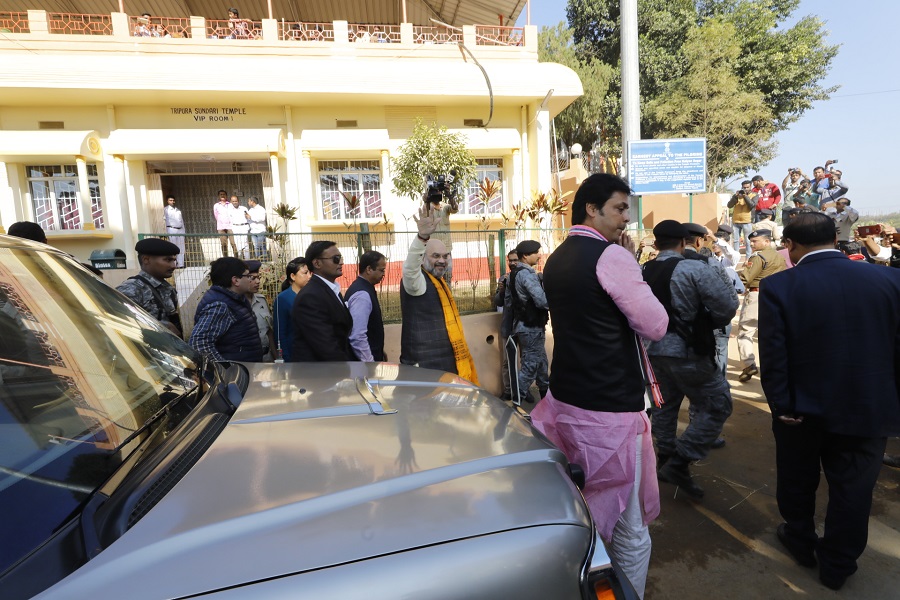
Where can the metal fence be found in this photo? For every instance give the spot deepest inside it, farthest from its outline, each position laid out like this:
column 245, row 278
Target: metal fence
column 479, row 259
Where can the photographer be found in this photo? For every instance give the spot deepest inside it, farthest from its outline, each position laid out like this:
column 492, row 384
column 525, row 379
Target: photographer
column 803, row 196
column 789, row 187
column 437, row 189
column 742, row 217
column 829, row 186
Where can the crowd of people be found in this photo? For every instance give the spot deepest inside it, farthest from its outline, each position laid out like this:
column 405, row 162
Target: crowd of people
column 636, row 331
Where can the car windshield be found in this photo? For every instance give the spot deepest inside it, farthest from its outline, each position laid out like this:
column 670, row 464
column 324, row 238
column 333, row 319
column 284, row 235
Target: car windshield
column 81, row 369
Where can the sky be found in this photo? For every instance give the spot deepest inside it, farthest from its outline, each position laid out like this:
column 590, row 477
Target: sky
column 859, row 124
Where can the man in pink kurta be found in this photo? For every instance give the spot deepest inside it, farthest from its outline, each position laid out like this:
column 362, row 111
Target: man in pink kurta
column 600, row 307
column 222, row 213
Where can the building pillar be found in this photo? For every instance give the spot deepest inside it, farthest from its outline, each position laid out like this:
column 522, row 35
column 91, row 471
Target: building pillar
column 84, row 195
column 120, row 189
column 276, row 179
column 307, row 200
column 543, row 153
column 516, row 193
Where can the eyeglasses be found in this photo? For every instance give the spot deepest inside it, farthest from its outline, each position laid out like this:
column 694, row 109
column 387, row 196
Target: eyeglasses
column 336, row 259
column 254, row 277
column 243, row 275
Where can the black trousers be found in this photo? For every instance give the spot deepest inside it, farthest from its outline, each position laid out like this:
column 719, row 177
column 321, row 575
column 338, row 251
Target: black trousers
column 851, row 466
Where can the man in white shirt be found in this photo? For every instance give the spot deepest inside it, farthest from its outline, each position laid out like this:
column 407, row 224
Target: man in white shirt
column 175, row 228
column 240, row 226
column 844, row 217
column 256, row 218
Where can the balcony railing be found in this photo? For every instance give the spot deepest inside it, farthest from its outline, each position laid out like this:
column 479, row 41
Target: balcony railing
column 305, row 32
column 375, row 34
column 121, row 26
column 436, row 35
column 13, row 22
column 499, row 36
column 68, row 23
column 233, row 29
column 160, row 27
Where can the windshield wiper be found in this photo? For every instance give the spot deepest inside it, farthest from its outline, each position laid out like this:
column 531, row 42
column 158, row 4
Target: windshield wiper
column 165, row 410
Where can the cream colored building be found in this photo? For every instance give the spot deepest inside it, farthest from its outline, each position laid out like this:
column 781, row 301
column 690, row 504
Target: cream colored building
column 99, row 122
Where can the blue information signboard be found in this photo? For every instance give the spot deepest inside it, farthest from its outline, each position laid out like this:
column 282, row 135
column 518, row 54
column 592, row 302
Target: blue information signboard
column 667, row 166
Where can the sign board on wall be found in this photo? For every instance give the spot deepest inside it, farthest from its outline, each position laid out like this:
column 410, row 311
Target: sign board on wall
column 667, row 166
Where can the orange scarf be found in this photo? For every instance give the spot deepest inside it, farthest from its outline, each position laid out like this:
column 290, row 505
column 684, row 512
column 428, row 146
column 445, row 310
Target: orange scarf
column 465, row 365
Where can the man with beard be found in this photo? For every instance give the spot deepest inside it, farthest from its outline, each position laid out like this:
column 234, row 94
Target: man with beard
column 432, row 333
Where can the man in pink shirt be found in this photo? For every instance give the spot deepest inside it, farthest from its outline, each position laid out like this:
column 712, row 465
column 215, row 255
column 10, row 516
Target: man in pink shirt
column 222, row 212
column 768, row 197
column 594, row 411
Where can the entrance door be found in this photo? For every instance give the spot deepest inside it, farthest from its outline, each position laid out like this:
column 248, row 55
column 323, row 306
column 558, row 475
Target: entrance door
column 195, row 195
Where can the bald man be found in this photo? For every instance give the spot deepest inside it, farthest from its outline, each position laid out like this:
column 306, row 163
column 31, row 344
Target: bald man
column 431, row 335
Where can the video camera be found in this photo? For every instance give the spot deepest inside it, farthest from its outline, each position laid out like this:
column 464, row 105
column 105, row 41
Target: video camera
column 440, row 186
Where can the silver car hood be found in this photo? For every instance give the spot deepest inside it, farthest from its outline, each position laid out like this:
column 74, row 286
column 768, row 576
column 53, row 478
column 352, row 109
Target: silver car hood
column 307, row 476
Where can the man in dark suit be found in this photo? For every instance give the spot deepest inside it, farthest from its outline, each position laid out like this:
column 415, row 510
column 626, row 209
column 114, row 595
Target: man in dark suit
column 837, row 414
column 320, row 319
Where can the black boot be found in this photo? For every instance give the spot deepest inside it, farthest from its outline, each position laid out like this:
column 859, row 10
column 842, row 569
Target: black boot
column 676, row 472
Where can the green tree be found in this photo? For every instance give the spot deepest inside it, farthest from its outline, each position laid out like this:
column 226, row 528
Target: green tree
column 431, row 150
column 708, row 101
column 784, row 66
column 584, row 121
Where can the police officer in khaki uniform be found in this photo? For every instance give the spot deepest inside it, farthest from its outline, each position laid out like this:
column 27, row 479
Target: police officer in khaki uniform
column 763, row 262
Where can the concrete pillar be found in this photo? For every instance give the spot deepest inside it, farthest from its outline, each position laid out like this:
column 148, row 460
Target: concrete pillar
column 526, row 151
column 198, row 28
column 7, row 206
column 120, row 25
column 307, row 200
column 118, row 184
column 270, row 30
column 37, row 21
column 276, row 179
column 543, row 150
column 341, row 32
column 469, row 38
column 84, row 195
column 531, row 38
column 516, row 192
column 406, row 34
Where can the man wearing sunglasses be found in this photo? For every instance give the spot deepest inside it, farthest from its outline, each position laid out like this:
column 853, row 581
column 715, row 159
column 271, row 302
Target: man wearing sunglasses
column 320, row 319
column 224, row 324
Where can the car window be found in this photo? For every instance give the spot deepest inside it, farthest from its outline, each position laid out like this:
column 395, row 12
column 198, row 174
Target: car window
column 81, row 369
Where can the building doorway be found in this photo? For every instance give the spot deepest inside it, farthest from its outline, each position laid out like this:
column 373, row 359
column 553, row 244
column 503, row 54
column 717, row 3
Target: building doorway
column 195, row 195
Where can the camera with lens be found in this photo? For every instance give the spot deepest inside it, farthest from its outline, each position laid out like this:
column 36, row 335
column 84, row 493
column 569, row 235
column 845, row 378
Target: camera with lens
column 440, row 186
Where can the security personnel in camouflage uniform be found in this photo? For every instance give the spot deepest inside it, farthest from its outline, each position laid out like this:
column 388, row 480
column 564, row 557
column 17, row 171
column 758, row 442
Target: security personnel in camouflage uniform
column 526, row 300
column 698, row 297
column 763, row 262
column 148, row 289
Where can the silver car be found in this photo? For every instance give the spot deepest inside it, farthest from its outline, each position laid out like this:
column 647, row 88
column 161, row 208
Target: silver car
column 130, row 468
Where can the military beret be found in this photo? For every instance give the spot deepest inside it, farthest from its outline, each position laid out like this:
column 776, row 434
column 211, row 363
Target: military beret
column 156, row 247
column 670, row 229
column 528, row 247
column 253, row 265
column 766, row 211
column 725, row 228
column 695, row 228
column 760, row 232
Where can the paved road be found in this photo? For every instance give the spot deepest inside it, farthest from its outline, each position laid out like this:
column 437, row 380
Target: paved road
column 726, row 546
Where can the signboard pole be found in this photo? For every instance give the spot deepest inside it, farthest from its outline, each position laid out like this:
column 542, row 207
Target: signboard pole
column 640, row 212
column 690, row 208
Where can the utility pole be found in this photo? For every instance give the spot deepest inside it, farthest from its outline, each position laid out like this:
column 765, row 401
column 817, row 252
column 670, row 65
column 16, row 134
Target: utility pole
column 631, row 93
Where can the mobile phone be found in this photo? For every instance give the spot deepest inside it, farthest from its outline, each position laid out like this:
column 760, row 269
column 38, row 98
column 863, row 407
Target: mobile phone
column 867, row 230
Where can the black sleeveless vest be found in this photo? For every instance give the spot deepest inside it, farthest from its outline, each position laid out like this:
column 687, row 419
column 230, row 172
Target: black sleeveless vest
column 375, row 327
column 241, row 340
column 596, row 359
column 423, row 337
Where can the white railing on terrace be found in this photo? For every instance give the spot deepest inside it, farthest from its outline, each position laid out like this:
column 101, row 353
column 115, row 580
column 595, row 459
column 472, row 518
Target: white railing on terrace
column 14, row 22
column 79, row 24
column 486, row 35
column 423, row 34
column 233, row 29
column 299, row 31
column 160, row 27
column 375, row 34
column 120, row 25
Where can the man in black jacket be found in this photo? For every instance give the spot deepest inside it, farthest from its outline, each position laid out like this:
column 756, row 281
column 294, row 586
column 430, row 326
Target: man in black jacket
column 320, row 319
column 828, row 416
